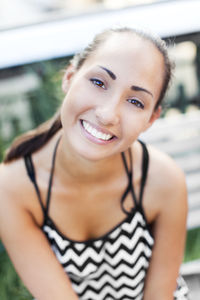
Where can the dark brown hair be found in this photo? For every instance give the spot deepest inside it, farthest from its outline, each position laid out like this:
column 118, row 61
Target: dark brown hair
column 37, row 138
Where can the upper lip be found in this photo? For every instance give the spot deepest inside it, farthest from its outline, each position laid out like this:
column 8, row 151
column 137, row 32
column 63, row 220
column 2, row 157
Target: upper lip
column 98, row 128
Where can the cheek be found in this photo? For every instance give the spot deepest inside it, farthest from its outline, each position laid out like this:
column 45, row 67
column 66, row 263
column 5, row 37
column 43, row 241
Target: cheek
column 75, row 103
column 68, row 109
column 134, row 124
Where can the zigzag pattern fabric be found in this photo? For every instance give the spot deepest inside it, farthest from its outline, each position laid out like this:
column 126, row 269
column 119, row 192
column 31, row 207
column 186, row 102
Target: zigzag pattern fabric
column 112, row 267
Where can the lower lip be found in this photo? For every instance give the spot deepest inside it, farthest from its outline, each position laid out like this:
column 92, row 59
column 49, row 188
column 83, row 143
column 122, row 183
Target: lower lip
column 95, row 139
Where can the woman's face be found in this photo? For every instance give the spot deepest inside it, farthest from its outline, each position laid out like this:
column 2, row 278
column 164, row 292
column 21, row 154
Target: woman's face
column 110, row 100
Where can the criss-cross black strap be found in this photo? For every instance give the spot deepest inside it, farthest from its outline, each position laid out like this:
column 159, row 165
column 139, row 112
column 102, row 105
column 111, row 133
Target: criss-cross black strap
column 130, row 187
column 31, row 173
column 145, row 165
column 130, row 177
column 51, row 177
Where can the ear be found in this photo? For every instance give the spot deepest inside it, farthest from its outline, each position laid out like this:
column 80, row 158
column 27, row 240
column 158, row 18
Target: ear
column 155, row 115
column 67, row 78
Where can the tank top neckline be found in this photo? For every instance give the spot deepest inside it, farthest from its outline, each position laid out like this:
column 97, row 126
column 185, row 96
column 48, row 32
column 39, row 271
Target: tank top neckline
column 137, row 204
column 105, row 236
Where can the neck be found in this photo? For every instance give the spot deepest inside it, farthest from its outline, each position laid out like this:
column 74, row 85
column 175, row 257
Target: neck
column 71, row 166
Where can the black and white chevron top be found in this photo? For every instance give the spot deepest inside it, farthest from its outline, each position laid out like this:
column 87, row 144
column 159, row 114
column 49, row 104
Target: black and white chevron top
column 114, row 265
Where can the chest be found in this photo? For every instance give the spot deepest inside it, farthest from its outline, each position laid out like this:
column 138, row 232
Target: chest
column 87, row 211
column 83, row 214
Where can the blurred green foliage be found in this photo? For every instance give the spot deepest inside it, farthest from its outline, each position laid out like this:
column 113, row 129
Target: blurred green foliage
column 192, row 248
column 45, row 100
column 42, row 101
column 11, row 287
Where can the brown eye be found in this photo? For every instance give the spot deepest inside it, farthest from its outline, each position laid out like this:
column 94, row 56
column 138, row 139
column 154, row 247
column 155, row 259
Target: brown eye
column 97, row 82
column 136, row 103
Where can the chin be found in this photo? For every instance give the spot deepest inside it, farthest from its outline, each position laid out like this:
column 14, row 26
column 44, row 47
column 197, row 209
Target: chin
column 90, row 149
column 93, row 155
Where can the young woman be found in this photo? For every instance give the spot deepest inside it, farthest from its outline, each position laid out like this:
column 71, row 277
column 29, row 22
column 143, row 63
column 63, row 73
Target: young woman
column 112, row 209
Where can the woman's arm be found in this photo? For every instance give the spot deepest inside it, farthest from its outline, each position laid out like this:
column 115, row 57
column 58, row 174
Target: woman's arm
column 169, row 232
column 29, row 250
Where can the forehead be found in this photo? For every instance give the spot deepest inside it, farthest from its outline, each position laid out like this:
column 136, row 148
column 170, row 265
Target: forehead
column 130, row 57
column 127, row 49
column 128, row 44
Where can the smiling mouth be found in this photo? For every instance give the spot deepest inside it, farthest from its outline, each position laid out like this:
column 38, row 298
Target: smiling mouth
column 94, row 132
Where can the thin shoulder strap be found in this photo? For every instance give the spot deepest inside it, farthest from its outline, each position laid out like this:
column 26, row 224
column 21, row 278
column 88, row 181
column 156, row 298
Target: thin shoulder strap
column 130, row 177
column 145, row 165
column 51, row 177
column 31, row 173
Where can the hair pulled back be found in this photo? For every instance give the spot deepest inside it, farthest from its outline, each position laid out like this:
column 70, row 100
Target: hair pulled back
column 37, row 138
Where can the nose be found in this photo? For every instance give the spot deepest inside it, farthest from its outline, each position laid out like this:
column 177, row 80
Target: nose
column 108, row 114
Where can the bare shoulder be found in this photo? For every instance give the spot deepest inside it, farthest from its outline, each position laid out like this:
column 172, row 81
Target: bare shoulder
column 13, row 178
column 17, row 192
column 166, row 190
column 164, row 171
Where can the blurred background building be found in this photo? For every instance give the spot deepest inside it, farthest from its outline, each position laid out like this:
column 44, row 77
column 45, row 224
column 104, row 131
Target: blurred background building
column 23, row 12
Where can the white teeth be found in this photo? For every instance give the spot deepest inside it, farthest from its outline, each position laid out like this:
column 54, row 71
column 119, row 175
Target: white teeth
column 86, row 125
column 95, row 133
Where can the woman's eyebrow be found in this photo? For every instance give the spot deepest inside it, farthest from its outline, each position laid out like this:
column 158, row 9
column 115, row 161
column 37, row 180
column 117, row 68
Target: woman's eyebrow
column 138, row 88
column 133, row 87
column 110, row 73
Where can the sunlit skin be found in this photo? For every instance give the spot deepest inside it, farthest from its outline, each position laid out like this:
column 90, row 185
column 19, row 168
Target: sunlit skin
column 114, row 92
